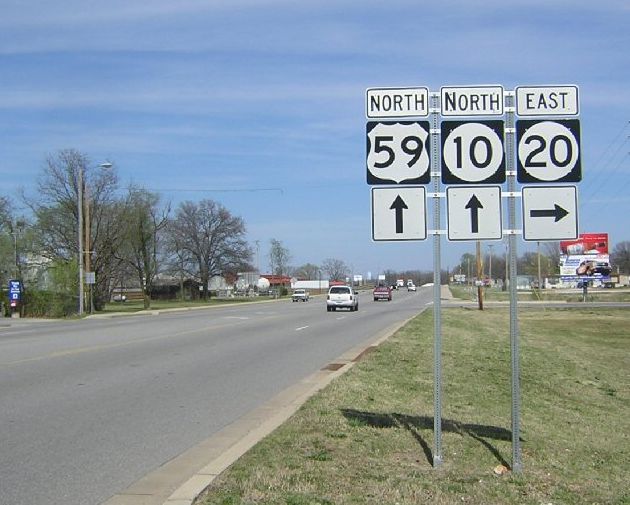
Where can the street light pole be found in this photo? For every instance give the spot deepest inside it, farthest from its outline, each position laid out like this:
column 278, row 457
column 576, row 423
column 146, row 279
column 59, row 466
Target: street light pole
column 80, row 227
column 85, row 223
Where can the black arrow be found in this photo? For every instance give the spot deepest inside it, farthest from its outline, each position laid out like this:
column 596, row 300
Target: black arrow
column 557, row 212
column 474, row 205
column 399, row 204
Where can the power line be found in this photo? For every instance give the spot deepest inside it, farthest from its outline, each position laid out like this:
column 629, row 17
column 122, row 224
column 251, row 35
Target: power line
column 601, row 177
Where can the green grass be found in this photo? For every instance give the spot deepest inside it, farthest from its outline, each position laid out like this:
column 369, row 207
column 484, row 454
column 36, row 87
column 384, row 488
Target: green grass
column 573, row 295
column 368, row 437
column 135, row 306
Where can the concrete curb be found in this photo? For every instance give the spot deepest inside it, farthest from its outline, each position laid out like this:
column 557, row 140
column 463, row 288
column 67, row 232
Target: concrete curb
column 172, row 484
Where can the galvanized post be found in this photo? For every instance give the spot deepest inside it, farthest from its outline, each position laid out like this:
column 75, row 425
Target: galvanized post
column 437, row 309
column 510, row 151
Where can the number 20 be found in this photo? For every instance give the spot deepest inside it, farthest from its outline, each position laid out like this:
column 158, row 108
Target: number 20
column 553, row 151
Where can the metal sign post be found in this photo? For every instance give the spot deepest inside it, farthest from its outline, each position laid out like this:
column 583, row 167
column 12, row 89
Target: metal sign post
column 437, row 308
column 510, row 132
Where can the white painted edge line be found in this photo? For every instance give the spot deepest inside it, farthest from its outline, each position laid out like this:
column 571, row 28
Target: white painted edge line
column 301, row 328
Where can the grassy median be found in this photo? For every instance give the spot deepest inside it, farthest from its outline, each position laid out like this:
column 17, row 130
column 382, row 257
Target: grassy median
column 368, row 437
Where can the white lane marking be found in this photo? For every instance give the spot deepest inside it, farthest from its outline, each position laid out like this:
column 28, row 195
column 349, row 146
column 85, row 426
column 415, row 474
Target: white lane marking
column 301, row 328
column 241, row 318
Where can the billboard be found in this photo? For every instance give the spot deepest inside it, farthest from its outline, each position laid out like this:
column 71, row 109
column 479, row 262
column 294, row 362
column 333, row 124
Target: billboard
column 586, row 243
column 585, row 259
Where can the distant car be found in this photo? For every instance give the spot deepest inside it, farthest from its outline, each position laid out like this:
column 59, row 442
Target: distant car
column 342, row 297
column 382, row 293
column 411, row 287
column 300, row 295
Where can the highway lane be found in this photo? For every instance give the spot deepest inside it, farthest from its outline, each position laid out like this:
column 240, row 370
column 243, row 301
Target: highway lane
column 88, row 407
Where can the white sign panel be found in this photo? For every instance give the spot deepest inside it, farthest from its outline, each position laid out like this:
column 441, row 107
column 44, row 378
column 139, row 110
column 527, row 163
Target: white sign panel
column 547, row 101
column 550, row 213
column 397, row 102
column 398, row 152
column 548, row 151
column 472, row 101
column 472, row 152
column 474, row 213
column 399, row 213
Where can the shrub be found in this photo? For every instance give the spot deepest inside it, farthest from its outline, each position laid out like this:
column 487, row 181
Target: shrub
column 49, row 304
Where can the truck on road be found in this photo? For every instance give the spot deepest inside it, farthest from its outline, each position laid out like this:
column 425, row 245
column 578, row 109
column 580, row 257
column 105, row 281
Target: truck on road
column 382, row 293
column 300, row 295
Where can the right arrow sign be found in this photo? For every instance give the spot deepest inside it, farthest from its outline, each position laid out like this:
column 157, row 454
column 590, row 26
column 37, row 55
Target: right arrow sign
column 557, row 213
column 550, row 213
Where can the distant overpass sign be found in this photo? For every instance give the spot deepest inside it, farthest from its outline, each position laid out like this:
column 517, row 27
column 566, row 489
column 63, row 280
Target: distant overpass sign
column 397, row 102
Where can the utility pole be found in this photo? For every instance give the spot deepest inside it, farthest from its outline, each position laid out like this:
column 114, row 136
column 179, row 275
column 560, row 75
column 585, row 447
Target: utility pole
column 539, row 276
column 490, row 246
column 479, row 276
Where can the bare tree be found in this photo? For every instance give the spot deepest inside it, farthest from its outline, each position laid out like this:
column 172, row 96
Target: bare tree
column 334, row 269
column 279, row 258
column 552, row 252
column 620, row 256
column 144, row 219
column 307, row 271
column 211, row 240
column 56, row 213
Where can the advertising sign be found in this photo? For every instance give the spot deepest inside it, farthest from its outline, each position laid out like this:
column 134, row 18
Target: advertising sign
column 586, row 243
column 585, row 259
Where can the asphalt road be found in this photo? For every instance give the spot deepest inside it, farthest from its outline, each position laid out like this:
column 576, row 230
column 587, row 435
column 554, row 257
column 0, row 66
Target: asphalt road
column 89, row 407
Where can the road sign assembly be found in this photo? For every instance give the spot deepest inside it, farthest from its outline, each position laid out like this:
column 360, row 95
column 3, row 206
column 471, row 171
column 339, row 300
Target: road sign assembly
column 473, row 152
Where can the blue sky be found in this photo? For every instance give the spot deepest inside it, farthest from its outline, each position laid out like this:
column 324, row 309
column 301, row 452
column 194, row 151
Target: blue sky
column 260, row 105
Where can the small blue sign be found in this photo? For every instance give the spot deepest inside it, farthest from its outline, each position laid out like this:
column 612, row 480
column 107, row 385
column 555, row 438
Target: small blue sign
column 15, row 291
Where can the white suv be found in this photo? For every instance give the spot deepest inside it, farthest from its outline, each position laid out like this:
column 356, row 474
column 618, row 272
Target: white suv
column 342, row 296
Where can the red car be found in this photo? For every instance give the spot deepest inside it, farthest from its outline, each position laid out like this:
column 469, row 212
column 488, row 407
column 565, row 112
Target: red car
column 382, row 293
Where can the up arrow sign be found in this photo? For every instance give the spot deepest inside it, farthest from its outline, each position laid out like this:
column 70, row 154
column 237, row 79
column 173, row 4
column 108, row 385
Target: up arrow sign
column 557, row 212
column 474, row 205
column 408, row 219
column 474, row 212
column 399, row 204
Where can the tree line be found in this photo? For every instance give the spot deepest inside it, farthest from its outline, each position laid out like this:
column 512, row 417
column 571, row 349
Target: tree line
column 130, row 239
column 137, row 236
